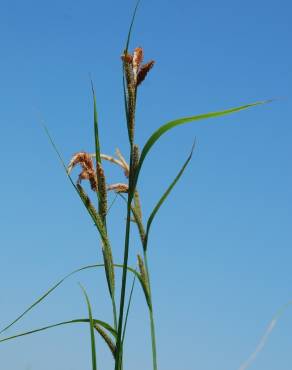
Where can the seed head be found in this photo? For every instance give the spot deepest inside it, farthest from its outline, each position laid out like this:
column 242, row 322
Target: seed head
column 88, row 172
column 118, row 188
column 144, row 71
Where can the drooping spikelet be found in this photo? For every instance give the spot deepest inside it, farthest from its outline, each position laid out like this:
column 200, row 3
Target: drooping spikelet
column 144, row 71
column 107, row 339
column 90, row 176
column 88, row 172
column 118, row 188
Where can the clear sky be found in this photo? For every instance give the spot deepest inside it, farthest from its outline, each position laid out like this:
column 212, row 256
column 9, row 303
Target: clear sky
column 220, row 249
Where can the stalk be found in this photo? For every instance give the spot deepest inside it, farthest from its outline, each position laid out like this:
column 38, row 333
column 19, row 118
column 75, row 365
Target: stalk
column 115, row 313
column 118, row 361
column 151, row 316
column 144, row 242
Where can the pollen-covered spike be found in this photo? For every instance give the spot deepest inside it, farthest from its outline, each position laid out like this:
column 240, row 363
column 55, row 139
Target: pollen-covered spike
column 118, row 188
column 88, row 172
column 90, row 176
column 144, row 71
column 137, row 60
column 82, row 158
column 127, row 58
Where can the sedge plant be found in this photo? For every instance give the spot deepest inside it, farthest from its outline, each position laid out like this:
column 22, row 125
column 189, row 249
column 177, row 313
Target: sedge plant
column 96, row 203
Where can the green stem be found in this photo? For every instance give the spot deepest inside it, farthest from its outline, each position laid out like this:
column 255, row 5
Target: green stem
column 115, row 313
column 152, row 324
column 119, row 350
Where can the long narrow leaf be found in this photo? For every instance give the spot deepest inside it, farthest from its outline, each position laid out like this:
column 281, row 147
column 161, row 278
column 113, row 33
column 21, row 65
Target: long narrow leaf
column 95, row 122
column 47, row 293
column 39, row 300
column 128, row 308
column 92, row 337
column 131, row 26
column 164, row 196
column 102, row 323
column 168, row 126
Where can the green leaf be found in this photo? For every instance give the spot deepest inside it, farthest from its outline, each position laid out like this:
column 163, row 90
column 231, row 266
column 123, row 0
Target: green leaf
column 128, row 308
column 92, row 337
column 39, row 300
column 164, row 196
column 95, row 120
column 47, row 293
column 99, row 322
column 168, row 126
column 131, row 26
column 95, row 218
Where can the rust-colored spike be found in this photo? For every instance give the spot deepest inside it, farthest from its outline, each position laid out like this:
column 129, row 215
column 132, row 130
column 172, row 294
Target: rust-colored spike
column 143, row 71
column 118, row 188
column 128, row 58
column 90, row 176
column 88, row 172
column 82, row 158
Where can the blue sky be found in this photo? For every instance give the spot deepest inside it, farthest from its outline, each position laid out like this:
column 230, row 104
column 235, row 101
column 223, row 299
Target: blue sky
column 220, row 249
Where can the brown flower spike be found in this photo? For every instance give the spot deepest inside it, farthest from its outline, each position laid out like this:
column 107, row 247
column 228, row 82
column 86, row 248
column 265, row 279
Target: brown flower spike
column 88, row 172
column 135, row 72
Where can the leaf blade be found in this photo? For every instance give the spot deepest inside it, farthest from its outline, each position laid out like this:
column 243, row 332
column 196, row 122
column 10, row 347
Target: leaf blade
column 92, row 336
column 50, row 327
column 50, row 290
column 164, row 196
column 172, row 124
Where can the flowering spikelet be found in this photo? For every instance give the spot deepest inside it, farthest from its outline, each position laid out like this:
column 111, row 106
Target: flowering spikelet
column 102, row 190
column 107, row 339
column 144, row 280
column 90, row 176
column 118, row 188
column 143, row 71
column 88, row 203
column 136, row 156
column 81, row 158
column 86, row 163
column 137, row 60
column 128, row 59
